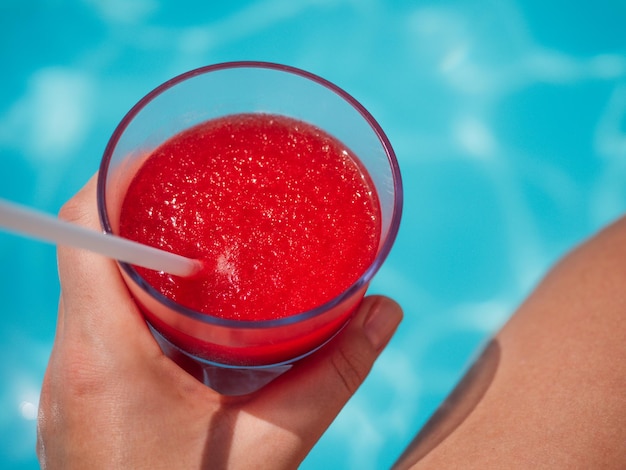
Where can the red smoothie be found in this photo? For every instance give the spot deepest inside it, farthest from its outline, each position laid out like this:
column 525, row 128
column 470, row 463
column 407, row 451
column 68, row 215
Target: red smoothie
column 283, row 215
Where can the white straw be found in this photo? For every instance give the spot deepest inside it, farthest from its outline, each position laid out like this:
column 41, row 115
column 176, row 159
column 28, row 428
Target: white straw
column 26, row 221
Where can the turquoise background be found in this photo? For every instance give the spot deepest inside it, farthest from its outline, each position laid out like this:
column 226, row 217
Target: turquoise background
column 508, row 118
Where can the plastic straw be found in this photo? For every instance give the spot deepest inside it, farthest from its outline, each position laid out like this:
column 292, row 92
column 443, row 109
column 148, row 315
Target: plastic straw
column 26, row 221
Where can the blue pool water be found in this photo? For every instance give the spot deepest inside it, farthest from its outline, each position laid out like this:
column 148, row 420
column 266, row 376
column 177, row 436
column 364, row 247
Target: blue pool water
column 508, row 118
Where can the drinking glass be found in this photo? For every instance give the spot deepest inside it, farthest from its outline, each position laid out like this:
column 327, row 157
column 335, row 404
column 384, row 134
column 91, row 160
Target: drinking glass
column 246, row 354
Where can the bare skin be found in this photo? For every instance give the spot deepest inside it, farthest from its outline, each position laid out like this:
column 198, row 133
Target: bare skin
column 552, row 389
column 110, row 398
column 549, row 391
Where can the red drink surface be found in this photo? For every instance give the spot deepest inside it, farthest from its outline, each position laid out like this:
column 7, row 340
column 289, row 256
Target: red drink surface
column 282, row 214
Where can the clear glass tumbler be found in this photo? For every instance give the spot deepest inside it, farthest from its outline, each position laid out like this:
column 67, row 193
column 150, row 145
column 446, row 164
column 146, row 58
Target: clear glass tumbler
column 220, row 90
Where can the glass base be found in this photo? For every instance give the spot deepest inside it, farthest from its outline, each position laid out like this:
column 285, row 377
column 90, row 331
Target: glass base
column 224, row 379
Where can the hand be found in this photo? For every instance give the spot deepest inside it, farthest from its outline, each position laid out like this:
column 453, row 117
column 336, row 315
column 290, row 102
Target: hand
column 111, row 399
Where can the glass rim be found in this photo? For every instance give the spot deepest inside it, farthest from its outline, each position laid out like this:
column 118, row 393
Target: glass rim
column 361, row 282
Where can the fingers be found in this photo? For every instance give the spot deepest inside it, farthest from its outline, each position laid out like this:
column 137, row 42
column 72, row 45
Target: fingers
column 312, row 394
column 353, row 357
column 96, row 305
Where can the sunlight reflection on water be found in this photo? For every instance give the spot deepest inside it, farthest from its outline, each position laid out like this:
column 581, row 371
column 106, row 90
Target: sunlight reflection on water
column 511, row 135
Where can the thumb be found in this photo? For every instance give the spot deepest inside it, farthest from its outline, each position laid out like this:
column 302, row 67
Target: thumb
column 348, row 362
column 313, row 393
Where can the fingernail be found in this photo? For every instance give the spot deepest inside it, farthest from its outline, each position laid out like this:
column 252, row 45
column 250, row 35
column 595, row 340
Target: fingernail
column 381, row 322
